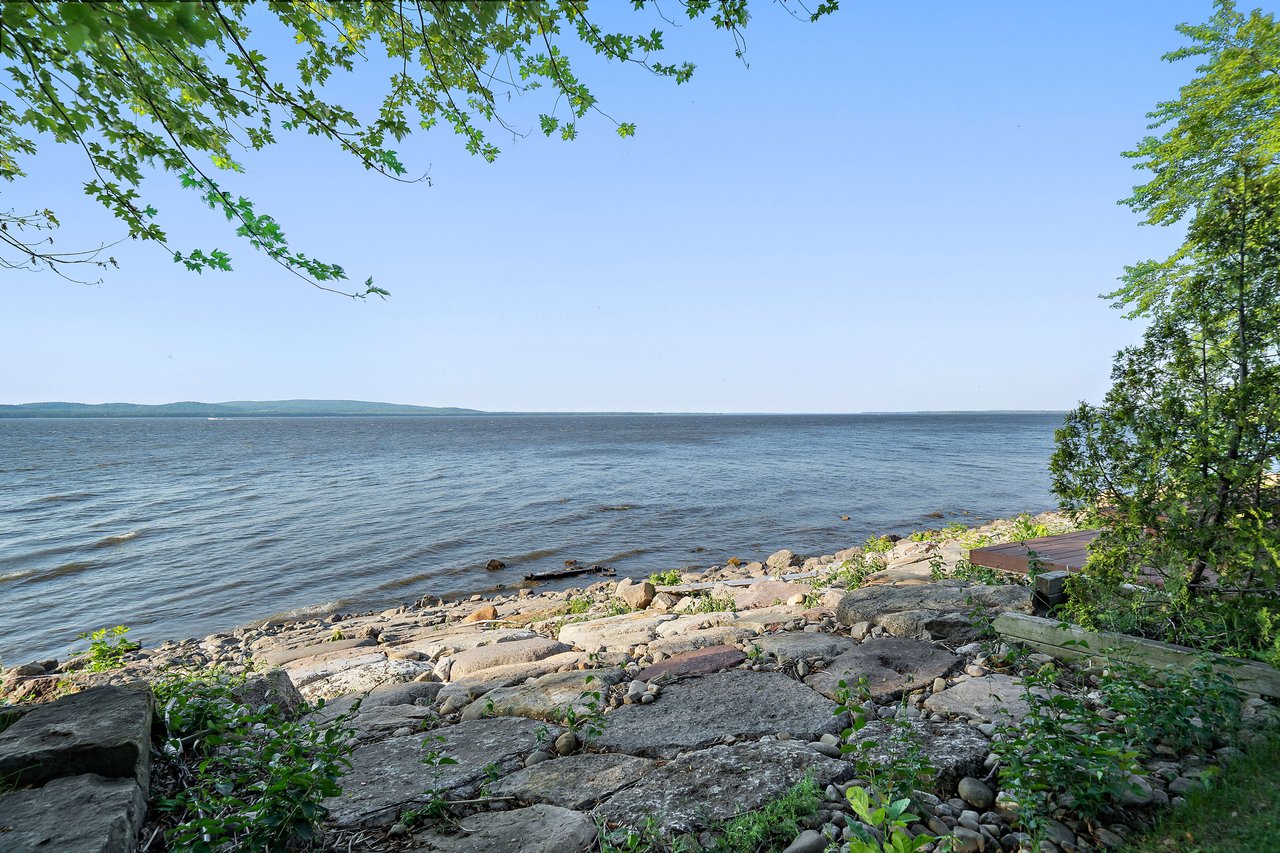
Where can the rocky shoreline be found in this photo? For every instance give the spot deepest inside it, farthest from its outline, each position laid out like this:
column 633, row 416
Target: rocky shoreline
column 571, row 716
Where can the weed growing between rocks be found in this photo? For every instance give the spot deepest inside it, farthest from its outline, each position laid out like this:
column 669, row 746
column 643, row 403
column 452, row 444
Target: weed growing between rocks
column 884, row 828
column 670, row 577
column 242, row 778
column 108, row 648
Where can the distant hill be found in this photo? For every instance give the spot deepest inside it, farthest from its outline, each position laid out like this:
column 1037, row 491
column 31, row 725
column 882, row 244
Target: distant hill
column 234, row 409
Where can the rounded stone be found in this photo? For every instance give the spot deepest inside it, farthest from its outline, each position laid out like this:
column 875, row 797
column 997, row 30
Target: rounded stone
column 976, row 793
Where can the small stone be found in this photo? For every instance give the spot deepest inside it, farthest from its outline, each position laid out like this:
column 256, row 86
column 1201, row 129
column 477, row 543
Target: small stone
column 829, row 750
column 939, row 684
column 484, row 613
column 648, row 698
column 976, row 793
column 965, row 840
column 398, row 830
column 537, row 758
column 567, row 744
column 1107, row 838
column 808, row 842
column 860, row 630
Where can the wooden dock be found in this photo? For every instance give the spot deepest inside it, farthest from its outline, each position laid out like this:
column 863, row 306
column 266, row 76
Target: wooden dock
column 1066, row 552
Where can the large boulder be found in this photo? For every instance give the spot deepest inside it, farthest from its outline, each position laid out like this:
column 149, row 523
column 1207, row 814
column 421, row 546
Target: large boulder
column 891, row 665
column 636, row 594
column 930, row 611
column 73, row 814
column 103, row 730
column 273, row 687
column 710, row 786
column 700, row 712
column 536, row 829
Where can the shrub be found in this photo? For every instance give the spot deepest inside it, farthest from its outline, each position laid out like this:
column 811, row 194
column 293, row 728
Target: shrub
column 246, row 779
column 108, row 648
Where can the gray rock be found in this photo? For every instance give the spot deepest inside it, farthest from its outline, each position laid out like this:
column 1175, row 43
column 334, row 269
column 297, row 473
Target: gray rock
column 279, row 657
column 503, row 654
column 544, row 698
column 809, row 841
column 780, row 561
column 955, row 750
column 104, row 731
column 273, row 687
column 73, row 814
column 576, row 782
column 709, row 786
column 926, row 602
column 976, row 793
column 536, row 829
column 891, row 665
column 698, row 713
column 797, row 645
column 966, row 840
column 567, row 744
column 391, row 775
column 990, row 698
column 613, row 633
column 636, row 594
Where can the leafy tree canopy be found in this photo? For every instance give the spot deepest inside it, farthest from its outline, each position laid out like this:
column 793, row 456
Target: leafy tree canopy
column 185, row 88
column 1179, row 462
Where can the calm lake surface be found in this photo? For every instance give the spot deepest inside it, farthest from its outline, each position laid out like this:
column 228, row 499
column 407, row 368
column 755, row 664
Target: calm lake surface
column 182, row 527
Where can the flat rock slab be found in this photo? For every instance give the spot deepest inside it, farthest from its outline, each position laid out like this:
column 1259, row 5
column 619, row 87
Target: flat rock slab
column 798, row 645
column 690, row 641
column 695, row 622
column 536, row 829
column 73, row 814
column 891, row 665
column 103, row 730
column 576, row 782
column 279, row 657
column 700, row 712
column 381, row 720
column 874, row 603
column 713, row 785
column 613, row 633
column 544, row 698
column 363, row 679
column 991, row 698
column 390, row 775
column 436, row 642
column 308, row 670
column 503, row 654
column 697, row 662
column 955, row 750
column 766, row 592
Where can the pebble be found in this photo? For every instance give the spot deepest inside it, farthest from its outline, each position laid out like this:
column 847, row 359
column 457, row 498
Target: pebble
column 567, row 744
column 976, row 793
column 808, row 841
column 966, row 840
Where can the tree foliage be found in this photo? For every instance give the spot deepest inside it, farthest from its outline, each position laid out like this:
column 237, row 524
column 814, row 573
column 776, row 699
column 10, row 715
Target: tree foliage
column 186, row 88
column 1179, row 461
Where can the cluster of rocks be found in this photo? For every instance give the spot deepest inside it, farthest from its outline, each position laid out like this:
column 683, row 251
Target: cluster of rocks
column 699, row 701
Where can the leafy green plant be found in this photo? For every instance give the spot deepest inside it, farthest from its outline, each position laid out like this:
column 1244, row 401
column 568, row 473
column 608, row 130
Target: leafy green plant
column 434, row 804
column 669, row 577
column 775, row 825
column 890, row 819
column 713, row 604
column 590, row 722
column 1184, row 709
column 246, row 778
column 896, row 780
column 1025, row 527
column 1062, row 747
column 108, row 648
column 579, row 604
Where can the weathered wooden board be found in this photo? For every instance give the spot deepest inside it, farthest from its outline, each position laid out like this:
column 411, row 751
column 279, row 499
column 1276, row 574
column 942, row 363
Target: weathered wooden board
column 1065, row 552
column 1072, row 642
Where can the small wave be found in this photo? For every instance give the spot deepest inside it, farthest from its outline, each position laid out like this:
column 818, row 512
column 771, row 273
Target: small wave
column 108, row 541
column 70, row 497
column 311, row 611
column 16, row 576
column 65, row 569
column 617, row 507
column 532, row 555
column 626, row 555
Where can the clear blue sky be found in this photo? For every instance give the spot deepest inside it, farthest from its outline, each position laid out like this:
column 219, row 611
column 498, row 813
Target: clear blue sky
column 906, row 206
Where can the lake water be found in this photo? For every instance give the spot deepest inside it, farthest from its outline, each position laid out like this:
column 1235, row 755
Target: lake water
column 182, row 527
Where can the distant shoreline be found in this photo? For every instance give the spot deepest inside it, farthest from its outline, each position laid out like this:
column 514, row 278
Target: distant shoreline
column 359, row 409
